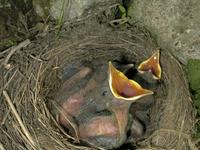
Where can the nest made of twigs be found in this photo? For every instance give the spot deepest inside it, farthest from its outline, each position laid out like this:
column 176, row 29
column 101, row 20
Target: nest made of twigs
column 32, row 75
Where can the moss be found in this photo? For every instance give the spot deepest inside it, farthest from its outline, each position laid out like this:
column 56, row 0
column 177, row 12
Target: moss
column 193, row 73
column 197, row 101
column 122, row 11
column 5, row 43
column 198, row 131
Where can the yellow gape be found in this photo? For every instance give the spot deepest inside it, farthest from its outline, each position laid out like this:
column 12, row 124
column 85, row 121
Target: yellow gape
column 124, row 88
column 151, row 65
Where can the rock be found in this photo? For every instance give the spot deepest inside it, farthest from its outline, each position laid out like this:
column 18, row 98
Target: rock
column 174, row 23
column 70, row 9
column 4, row 4
column 42, row 8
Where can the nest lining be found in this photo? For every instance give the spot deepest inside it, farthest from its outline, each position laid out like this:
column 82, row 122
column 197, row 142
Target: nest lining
column 31, row 83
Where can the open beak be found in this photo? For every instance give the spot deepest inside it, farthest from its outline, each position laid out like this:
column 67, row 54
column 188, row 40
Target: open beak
column 152, row 65
column 124, row 88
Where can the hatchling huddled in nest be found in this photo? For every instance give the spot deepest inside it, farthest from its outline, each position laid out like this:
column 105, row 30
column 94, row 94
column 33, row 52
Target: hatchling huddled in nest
column 106, row 104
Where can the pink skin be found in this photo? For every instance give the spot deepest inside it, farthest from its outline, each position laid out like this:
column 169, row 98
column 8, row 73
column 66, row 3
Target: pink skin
column 73, row 104
column 99, row 126
column 70, row 108
column 120, row 109
column 109, row 126
column 75, row 78
column 68, row 84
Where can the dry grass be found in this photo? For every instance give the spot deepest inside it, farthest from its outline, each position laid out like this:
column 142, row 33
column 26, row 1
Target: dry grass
column 27, row 110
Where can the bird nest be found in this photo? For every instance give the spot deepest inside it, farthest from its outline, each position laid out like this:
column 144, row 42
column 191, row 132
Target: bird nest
column 33, row 75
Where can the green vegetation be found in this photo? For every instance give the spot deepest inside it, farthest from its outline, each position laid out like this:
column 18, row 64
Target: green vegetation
column 60, row 20
column 7, row 43
column 122, row 11
column 193, row 73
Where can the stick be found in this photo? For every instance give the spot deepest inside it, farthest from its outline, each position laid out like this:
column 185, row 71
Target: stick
column 13, row 50
column 14, row 111
column 1, row 147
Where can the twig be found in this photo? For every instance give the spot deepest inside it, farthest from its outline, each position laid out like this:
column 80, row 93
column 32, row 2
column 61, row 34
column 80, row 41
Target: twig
column 119, row 21
column 37, row 86
column 180, row 131
column 70, row 123
column 14, row 101
column 14, row 111
column 11, row 78
column 38, row 59
column 13, row 50
column 131, row 43
column 1, row 146
column 23, row 137
column 5, row 51
column 15, row 143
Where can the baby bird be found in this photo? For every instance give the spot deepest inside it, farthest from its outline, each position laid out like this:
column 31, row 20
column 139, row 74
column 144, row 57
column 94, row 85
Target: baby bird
column 95, row 105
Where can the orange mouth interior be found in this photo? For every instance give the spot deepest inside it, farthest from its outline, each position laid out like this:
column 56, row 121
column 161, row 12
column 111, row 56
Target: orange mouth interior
column 151, row 65
column 124, row 88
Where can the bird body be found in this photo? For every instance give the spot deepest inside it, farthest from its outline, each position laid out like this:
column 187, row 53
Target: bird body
column 96, row 103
